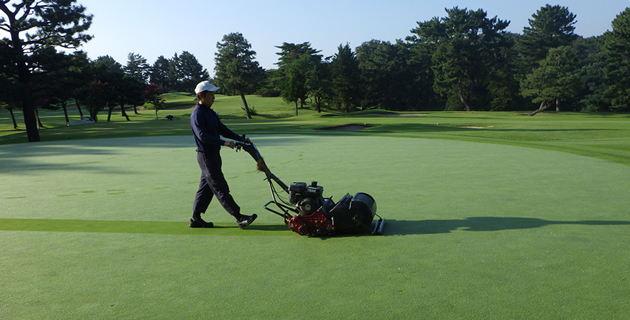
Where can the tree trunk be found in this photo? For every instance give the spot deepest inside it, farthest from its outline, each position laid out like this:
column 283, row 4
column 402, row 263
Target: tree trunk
column 30, row 121
column 109, row 112
column 296, row 108
column 247, row 114
column 13, row 118
column 30, row 118
column 79, row 108
column 39, row 121
column 94, row 114
column 461, row 97
column 135, row 110
column 540, row 109
column 318, row 104
column 557, row 105
column 122, row 111
column 65, row 111
column 28, row 106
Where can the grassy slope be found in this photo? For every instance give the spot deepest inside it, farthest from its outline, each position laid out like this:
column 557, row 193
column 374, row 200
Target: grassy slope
column 475, row 231
column 604, row 136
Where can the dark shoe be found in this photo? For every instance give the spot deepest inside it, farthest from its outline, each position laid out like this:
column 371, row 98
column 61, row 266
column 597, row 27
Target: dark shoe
column 244, row 221
column 199, row 223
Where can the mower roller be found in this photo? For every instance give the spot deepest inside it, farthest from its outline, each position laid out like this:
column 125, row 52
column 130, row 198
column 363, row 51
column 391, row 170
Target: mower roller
column 307, row 212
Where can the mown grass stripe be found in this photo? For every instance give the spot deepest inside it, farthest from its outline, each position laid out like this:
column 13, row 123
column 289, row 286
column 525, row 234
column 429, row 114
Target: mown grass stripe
column 139, row 227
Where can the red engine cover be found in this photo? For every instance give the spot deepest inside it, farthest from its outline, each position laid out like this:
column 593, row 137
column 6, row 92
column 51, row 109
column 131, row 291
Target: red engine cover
column 314, row 224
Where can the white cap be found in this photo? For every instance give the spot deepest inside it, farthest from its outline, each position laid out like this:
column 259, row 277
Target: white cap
column 205, row 86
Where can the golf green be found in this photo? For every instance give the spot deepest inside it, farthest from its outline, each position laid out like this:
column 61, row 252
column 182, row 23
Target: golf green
column 98, row 229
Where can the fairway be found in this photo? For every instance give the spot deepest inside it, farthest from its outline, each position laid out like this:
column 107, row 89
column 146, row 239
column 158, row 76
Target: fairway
column 98, row 229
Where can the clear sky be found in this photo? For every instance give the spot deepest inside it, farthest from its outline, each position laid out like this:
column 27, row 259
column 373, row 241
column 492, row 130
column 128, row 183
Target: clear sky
column 160, row 27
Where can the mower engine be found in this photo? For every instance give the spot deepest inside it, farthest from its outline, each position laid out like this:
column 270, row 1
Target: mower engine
column 306, row 198
column 313, row 214
column 319, row 216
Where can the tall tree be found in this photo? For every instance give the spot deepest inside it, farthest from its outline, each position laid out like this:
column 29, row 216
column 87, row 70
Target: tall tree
column 588, row 52
column 159, row 73
column 466, row 43
column 374, row 62
column 293, row 84
column 319, row 82
column 422, row 95
column 290, row 52
column 184, row 71
column 137, row 66
column 345, row 75
column 503, row 84
column 117, row 86
column 388, row 79
column 555, row 80
column 295, row 64
column 128, row 90
column 550, row 27
column 294, row 67
column 235, row 67
column 617, row 58
column 64, row 83
column 189, row 71
column 102, row 90
column 34, row 26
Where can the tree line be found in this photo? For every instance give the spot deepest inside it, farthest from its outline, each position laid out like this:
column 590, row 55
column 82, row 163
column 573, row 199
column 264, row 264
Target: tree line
column 462, row 61
column 42, row 67
column 468, row 61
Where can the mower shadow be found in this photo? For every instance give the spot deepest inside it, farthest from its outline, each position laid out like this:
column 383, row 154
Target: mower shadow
column 409, row 227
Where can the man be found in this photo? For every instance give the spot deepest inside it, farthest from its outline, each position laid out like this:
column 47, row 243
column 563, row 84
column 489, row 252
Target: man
column 207, row 129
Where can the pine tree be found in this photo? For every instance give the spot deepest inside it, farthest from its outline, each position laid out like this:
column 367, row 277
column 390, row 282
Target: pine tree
column 345, row 74
column 555, row 80
column 160, row 75
column 465, row 46
column 235, row 67
column 617, row 58
column 550, row 27
column 36, row 27
column 295, row 67
column 137, row 66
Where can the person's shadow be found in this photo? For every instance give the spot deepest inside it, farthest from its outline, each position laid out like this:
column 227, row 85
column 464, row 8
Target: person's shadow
column 408, row 227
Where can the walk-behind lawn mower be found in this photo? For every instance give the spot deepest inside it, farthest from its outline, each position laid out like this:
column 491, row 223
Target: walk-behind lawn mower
column 307, row 212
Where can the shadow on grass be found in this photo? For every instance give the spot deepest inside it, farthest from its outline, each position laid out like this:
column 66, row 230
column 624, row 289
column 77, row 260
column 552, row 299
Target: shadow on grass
column 392, row 227
column 139, row 227
column 408, row 227
column 24, row 157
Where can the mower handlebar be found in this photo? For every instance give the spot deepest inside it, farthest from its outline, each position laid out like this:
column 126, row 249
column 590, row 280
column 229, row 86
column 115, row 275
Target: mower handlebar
column 251, row 149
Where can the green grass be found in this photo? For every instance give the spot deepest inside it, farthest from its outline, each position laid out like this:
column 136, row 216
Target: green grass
column 603, row 136
column 473, row 231
column 178, row 99
column 523, row 219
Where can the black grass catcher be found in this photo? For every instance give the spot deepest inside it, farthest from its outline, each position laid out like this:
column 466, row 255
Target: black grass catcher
column 307, row 212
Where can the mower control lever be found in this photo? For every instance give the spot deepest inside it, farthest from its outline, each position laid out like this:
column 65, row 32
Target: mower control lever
column 251, row 149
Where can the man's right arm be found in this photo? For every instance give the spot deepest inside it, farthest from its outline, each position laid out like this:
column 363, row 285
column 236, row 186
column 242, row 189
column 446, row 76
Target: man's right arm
column 199, row 126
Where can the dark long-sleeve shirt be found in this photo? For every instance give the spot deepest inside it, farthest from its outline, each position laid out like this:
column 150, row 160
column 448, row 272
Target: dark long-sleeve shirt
column 207, row 129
